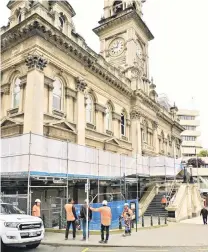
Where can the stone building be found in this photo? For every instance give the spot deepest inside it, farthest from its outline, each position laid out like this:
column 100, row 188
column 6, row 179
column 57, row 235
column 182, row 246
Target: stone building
column 54, row 85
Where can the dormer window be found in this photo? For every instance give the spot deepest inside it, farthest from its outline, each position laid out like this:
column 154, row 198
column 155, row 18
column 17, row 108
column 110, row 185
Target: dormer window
column 19, row 18
column 117, row 6
column 61, row 20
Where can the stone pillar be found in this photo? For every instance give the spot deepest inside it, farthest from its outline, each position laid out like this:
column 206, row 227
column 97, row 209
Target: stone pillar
column 22, row 90
column 155, row 137
column 34, row 95
column 136, row 132
column 70, row 95
column 116, row 124
column 81, row 115
column 6, row 101
column 100, row 111
column 48, row 82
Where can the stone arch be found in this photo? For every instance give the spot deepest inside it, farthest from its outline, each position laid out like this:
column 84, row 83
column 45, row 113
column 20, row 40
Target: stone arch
column 92, row 93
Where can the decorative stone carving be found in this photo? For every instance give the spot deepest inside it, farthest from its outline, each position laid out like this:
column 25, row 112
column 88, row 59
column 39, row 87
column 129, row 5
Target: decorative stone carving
column 154, row 125
column 36, row 61
column 5, row 89
column 12, row 111
column 116, row 116
column 48, row 82
column 99, row 107
column 23, row 81
column 128, row 122
column 80, row 84
column 70, row 93
column 135, row 115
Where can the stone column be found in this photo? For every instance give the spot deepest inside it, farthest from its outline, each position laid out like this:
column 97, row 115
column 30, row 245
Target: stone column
column 70, row 95
column 155, row 137
column 100, row 111
column 34, row 95
column 116, row 124
column 136, row 132
column 81, row 117
column 22, row 90
column 6, row 101
column 48, row 82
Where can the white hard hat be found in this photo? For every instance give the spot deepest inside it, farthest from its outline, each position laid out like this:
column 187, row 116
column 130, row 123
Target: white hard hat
column 126, row 204
column 105, row 203
column 37, row 201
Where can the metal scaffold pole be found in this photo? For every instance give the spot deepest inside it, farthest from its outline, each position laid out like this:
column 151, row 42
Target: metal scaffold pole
column 67, row 176
column 28, row 179
column 98, row 178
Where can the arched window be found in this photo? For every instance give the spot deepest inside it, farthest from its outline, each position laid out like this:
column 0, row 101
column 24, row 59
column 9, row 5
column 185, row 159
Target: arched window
column 89, row 109
column 57, row 94
column 145, row 132
column 123, row 124
column 16, row 93
column 108, row 118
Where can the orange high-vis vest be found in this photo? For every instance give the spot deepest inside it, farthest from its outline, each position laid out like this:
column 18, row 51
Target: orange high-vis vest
column 36, row 211
column 164, row 201
column 69, row 212
column 105, row 215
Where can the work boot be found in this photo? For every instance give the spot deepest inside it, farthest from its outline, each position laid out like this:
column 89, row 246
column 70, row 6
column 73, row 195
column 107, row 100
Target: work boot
column 106, row 241
column 101, row 241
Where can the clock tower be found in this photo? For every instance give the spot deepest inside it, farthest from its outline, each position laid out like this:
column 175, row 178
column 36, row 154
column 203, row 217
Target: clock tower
column 124, row 39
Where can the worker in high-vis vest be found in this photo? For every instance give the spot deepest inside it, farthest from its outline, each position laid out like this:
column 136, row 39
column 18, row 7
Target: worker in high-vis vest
column 36, row 209
column 106, row 217
column 71, row 218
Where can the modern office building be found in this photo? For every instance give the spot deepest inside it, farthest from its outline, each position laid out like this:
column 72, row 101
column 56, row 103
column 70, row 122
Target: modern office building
column 191, row 145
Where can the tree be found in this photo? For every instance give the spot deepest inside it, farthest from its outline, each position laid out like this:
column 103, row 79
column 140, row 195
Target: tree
column 196, row 162
column 203, row 153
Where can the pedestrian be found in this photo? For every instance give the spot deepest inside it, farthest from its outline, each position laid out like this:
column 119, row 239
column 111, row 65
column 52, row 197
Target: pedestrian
column 164, row 201
column 83, row 217
column 36, row 209
column 106, row 217
column 127, row 216
column 71, row 218
column 204, row 214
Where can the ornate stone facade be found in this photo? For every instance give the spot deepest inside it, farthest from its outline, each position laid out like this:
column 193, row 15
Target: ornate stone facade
column 77, row 94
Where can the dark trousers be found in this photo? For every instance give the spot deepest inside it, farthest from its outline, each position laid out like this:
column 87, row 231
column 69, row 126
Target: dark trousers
column 204, row 219
column 73, row 228
column 104, row 228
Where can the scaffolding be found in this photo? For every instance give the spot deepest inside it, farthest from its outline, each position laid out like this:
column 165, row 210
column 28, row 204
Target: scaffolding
column 39, row 157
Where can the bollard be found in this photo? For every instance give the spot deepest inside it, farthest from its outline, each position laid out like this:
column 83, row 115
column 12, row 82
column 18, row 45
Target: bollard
column 60, row 222
column 151, row 221
column 158, row 220
column 165, row 219
column 142, row 221
column 120, row 222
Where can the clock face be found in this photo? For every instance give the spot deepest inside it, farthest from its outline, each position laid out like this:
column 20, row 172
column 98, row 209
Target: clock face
column 139, row 51
column 116, row 47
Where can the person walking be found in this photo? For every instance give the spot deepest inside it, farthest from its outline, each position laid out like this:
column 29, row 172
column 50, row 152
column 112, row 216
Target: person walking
column 83, row 217
column 71, row 218
column 204, row 214
column 36, row 209
column 164, row 201
column 127, row 216
column 106, row 217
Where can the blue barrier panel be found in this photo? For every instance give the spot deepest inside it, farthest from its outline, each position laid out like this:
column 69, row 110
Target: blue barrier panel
column 116, row 208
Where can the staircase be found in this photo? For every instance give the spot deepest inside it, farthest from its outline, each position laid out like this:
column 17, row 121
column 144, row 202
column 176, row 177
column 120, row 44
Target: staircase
column 155, row 207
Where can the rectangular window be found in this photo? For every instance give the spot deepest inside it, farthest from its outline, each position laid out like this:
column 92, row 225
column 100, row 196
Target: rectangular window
column 56, row 102
column 184, row 117
column 123, row 125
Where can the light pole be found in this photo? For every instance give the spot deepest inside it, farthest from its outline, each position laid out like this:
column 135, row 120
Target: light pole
column 184, row 171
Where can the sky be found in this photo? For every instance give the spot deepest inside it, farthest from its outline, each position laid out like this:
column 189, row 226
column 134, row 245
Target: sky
column 178, row 54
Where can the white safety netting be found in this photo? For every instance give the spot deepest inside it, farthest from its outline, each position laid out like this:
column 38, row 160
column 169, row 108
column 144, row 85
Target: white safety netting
column 47, row 157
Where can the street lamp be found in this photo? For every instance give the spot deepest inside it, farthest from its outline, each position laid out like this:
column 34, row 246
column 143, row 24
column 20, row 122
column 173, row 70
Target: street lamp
column 191, row 171
column 184, row 171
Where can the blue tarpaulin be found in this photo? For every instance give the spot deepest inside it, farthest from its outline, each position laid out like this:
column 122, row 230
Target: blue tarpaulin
column 116, row 208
